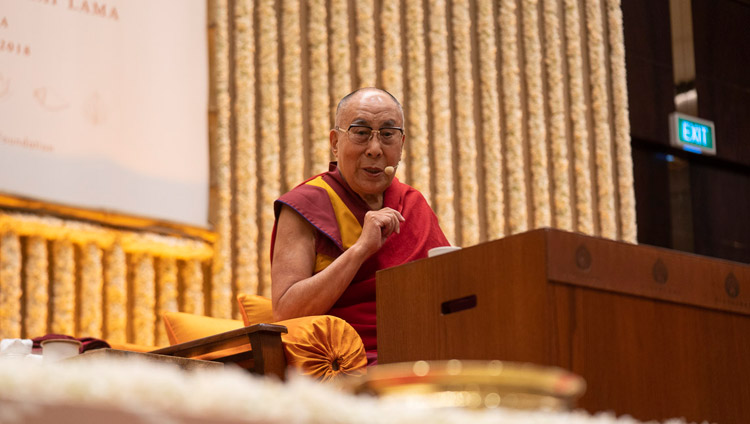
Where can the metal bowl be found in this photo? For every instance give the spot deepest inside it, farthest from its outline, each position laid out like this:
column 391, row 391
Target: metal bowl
column 474, row 384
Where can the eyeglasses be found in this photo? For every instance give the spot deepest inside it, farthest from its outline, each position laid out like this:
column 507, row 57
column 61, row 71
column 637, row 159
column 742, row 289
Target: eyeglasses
column 361, row 134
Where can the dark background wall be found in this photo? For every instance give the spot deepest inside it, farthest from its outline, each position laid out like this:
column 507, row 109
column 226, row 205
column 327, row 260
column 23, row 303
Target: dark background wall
column 686, row 201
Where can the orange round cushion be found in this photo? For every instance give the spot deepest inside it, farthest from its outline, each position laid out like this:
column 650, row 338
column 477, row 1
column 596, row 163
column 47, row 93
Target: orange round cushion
column 323, row 346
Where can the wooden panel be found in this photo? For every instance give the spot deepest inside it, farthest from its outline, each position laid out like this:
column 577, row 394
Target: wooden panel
column 656, row 333
column 656, row 360
column 647, row 271
column 513, row 263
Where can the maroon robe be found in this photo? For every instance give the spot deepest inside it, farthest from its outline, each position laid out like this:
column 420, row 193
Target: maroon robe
column 337, row 212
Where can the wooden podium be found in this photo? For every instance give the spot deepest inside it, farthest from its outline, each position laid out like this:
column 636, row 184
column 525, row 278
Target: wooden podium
column 656, row 333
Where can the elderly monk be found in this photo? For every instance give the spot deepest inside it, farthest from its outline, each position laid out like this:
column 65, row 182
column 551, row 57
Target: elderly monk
column 335, row 230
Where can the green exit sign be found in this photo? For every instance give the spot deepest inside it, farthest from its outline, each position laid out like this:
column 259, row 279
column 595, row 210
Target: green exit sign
column 692, row 134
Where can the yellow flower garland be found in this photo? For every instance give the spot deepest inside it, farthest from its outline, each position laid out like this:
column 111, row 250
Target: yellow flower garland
column 365, row 15
column 515, row 163
column 92, row 285
column 392, row 74
column 10, row 285
column 320, row 120
column 441, row 117
column 537, row 132
column 628, row 229
column 292, row 93
column 116, row 298
column 417, row 137
column 221, row 282
column 467, row 148
column 191, row 275
column 558, row 135
column 490, row 109
column 340, row 58
column 246, row 179
column 269, row 128
column 25, row 224
column 600, row 110
column 579, row 119
column 166, row 280
column 143, row 299
column 37, row 286
column 63, row 288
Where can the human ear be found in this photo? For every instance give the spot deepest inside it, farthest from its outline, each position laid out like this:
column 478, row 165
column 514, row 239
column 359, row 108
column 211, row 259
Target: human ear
column 334, row 139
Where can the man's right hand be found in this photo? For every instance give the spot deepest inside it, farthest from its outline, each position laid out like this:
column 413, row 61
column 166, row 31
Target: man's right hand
column 378, row 226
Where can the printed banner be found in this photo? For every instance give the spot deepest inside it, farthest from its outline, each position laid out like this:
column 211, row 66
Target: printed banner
column 103, row 106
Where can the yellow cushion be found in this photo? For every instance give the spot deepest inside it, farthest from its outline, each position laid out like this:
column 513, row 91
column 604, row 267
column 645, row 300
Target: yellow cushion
column 183, row 327
column 255, row 309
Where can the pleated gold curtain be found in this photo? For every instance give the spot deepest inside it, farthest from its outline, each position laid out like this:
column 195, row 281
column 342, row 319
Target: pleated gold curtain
column 516, row 118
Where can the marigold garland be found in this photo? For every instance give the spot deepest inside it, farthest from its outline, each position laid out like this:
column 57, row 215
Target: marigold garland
column 515, row 163
column 558, row 136
column 269, row 127
column 116, row 298
column 392, row 73
column 144, row 300
column 51, row 228
column 10, row 285
column 467, row 148
column 36, row 272
column 63, row 288
column 537, row 132
column 600, row 109
column 390, row 26
column 339, row 57
column 292, row 94
column 366, row 58
column 221, row 282
column 166, row 280
column 441, row 117
column 417, row 137
column 490, row 110
column 191, row 275
column 92, row 285
column 246, row 179
column 628, row 229
column 320, row 120
column 578, row 119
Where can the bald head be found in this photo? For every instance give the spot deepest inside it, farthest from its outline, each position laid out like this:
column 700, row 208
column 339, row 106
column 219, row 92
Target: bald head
column 360, row 92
